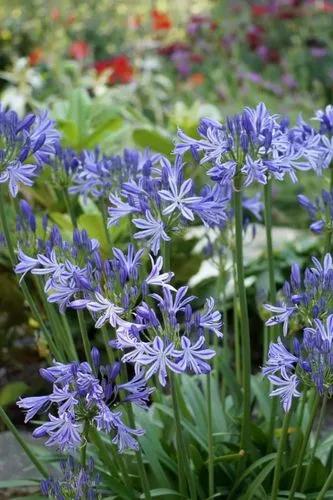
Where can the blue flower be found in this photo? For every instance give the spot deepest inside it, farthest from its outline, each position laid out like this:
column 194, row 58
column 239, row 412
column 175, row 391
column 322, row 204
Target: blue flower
column 178, row 199
column 286, row 388
column 193, row 357
column 151, row 229
column 32, row 138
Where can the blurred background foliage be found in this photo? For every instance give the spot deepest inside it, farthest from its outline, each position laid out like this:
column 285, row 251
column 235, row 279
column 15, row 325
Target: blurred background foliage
column 118, row 74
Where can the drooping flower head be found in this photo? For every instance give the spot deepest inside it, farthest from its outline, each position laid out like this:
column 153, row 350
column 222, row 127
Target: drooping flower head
column 25, row 145
column 84, row 395
column 320, row 211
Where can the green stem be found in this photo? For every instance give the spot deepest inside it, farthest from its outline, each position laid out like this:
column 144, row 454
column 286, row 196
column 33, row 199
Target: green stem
column 236, row 327
column 316, row 441
column 301, row 453
column 327, row 484
column 245, row 330
column 210, row 438
column 141, row 466
column 281, row 449
column 69, row 207
column 84, row 336
column 104, row 212
column 23, row 443
column 184, row 471
column 108, row 348
column 297, row 442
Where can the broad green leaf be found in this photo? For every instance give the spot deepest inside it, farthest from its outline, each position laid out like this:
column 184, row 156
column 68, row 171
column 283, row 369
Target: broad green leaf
column 93, row 224
column 151, row 139
column 105, row 129
column 11, row 392
column 257, row 482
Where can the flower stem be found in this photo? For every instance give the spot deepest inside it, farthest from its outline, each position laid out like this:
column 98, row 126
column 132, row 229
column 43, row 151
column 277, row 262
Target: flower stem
column 22, row 442
column 84, row 336
column 301, row 453
column 236, row 326
column 210, row 438
column 316, row 441
column 297, row 441
column 281, row 449
column 244, row 330
column 184, row 471
column 69, row 207
column 139, row 459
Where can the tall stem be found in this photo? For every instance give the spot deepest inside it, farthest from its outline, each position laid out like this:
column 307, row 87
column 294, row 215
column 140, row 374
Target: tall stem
column 84, row 336
column 210, row 438
column 22, row 442
column 141, row 466
column 282, row 445
column 69, row 207
column 236, row 326
column 316, row 441
column 184, row 470
column 244, row 330
column 298, row 439
column 301, row 454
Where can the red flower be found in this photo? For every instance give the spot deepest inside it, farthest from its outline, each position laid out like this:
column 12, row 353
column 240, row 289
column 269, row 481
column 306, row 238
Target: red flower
column 55, row 14
column 35, row 56
column 255, row 36
column 168, row 50
column 160, row 20
column 326, row 7
column 120, row 68
column 258, row 10
column 79, row 50
column 196, row 79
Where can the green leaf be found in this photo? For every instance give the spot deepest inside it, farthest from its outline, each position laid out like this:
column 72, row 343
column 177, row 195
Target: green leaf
column 105, row 129
column 93, row 224
column 11, row 392
column 160, row 492
column 151, row 139
column 259, row 480
column 18, row 483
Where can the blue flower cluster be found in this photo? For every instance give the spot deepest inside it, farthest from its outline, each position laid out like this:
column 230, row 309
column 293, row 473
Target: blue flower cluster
column 77, row 482
column 97, row 175
column 310, row 362
column 320, row 211
column 308, row 300
column 117, row 293
column 25, row 146
column 304, row 298
column 85, row 396
column 256, row 145
column 161, row 201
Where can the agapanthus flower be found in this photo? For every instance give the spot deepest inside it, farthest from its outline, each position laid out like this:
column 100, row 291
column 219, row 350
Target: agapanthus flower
column 309, row 363
column 26, row 144
column 86, row 395
column 254, row 144
column 97, row 175
column 304, row 297
column 320, row 211
column 161, row 201
column 75, row 275
column 175, row 340
column 74, row 481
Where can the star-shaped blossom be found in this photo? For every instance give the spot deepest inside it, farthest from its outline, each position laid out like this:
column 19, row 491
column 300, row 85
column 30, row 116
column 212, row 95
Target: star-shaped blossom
column 151, row 229
column 110, row 312
column 178, row 199
column 193, row 356
column 159, row 357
